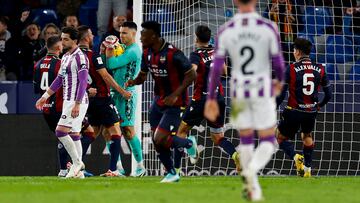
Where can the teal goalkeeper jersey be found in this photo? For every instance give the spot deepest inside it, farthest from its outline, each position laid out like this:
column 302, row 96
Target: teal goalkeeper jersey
column 125, row 66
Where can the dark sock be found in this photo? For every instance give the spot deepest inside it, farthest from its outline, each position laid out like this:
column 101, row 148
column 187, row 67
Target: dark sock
column 181, row 142
column 308, row 150
column 114, row 151
column 165, row 158
column 86, row 140
column 288, row 148
column 178, row 154
column 63, row 156
column 227, row 146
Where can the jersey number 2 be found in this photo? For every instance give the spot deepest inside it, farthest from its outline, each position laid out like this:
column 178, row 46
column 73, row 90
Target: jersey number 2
column 250, row 57
column 308, row 85
column 44, row 84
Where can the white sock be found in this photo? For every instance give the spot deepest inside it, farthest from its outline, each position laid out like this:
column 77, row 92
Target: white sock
column 262, row 156
column 246, row 153
column 79, row 148
column 70, row 148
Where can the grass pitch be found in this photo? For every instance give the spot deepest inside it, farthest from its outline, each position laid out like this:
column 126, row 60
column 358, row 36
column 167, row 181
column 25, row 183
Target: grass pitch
column 190, row 189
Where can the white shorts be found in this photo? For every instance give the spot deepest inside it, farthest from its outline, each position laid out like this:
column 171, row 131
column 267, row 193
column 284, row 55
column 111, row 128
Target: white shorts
column 68, row 121
column 257, row 114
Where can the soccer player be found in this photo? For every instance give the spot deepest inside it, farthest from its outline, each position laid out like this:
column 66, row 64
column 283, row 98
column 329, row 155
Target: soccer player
column 303, row 80
column 101, row 109
column 72, row 76
column 201, row 60
column 45, row 72
column 172, row 73
column 126, row 67
column 253, row 45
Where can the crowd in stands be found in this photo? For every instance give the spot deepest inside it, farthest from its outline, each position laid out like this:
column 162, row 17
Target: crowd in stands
column 332, row 25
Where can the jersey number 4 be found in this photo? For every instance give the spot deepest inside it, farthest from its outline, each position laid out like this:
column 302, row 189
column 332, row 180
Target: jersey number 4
column 308, row 85
column 44, row 84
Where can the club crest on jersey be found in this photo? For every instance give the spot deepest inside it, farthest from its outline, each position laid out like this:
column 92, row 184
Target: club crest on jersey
column 162, row 59
column 63, row 116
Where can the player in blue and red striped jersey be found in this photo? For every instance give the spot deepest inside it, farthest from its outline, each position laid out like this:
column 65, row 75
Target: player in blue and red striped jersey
column 102, row 110
column 201, row 60
column 172, row 73
column 304, row 79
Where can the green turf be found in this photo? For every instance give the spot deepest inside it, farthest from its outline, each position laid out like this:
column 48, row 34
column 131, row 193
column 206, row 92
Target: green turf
column 190, row 189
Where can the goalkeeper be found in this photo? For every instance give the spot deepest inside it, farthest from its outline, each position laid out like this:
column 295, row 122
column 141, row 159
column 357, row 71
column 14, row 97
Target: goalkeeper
column 303, row 79
column 126, row 67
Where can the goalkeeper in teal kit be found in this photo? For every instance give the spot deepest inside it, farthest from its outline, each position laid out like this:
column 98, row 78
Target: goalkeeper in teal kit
column 126, row 67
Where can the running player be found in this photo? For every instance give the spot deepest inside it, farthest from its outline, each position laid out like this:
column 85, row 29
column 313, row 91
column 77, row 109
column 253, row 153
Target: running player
column 253, row 45
column 201, row 60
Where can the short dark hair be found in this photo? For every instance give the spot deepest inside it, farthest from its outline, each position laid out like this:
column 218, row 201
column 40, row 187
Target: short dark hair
column 303, row 45
column 244, row 1
column 4, row 20
column 130, row 25
column 152, row 25
column 82, row 31
column 73, row 32
column 203, row 33
column 51, row 41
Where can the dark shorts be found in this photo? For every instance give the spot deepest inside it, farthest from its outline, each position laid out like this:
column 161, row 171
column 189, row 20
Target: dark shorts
column 52, row 120
column 291, row 121
column 102, row 111
column 194, row 113
column 165, row 118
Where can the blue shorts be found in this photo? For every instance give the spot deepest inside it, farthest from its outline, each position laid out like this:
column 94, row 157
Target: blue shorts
column 165, row 118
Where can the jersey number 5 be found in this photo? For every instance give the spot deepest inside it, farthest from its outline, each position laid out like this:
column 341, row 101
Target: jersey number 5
column 44, row 84
column 308, row 85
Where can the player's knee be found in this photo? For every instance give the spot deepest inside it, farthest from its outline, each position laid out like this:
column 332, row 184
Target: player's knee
column 127, row 132
column 279, row 137
column 307, row 139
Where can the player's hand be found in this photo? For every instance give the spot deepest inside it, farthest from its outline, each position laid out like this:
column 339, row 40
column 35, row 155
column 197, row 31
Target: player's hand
column 170, row 100
column 277, row 87
column 109, row 52
column 75, row 110
column 127, row 95
column 92, row 92
column 211, row 111
column 130, row 83
column 274, row 8
column 102, row 48
column 40, row 103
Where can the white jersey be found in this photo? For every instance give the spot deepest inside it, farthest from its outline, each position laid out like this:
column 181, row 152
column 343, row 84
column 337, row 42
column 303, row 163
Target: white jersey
column 71, row 65
column 250, row 40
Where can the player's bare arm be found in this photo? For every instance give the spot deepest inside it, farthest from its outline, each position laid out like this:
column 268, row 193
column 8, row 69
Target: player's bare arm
column 109, row 80
column 190, row 76
column 140, row 79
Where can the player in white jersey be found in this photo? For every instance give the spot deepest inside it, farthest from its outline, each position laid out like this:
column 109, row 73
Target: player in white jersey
column 253, row 44
column 72, row 76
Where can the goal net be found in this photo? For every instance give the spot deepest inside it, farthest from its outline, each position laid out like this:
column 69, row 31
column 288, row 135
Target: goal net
column 332, row 29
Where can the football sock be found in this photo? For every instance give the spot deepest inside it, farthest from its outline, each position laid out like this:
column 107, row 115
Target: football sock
column 136, row 149
column 263, row 153
column 178, row 154
column 69, row 145
column 86, row 139
column 246, row 150
column 308, row 150
column 63, row 156
column 77, row 142
column 227, row 146
column 165, row 158
column 114, row 151
column 181, row 142
column 288, row 148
